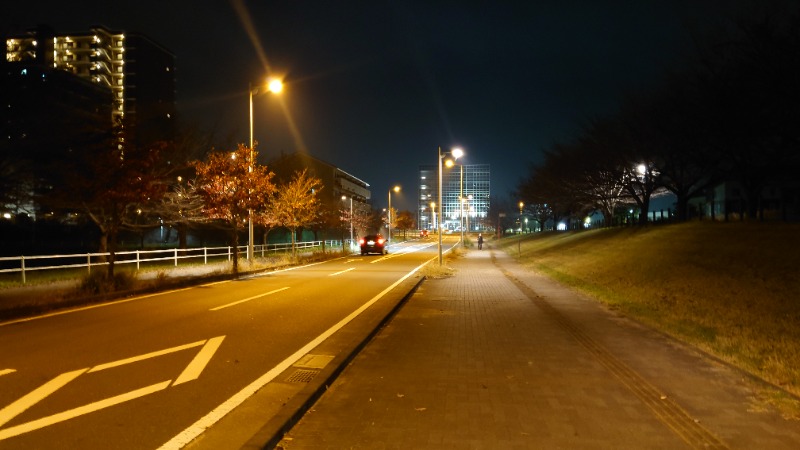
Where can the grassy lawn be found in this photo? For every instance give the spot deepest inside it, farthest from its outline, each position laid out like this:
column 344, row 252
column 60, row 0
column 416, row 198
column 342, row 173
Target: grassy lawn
column 732, row 289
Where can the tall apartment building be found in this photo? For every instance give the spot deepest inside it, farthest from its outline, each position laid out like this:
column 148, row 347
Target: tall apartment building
column 139, row 73
column 471, row 180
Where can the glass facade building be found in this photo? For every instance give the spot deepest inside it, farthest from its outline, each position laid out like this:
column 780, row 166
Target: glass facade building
column 474, row 179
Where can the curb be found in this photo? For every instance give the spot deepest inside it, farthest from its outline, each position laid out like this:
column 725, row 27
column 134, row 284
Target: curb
column 270, row 435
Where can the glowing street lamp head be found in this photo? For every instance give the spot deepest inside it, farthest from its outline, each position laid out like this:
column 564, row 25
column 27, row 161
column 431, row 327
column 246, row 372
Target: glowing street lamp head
column 449, row 163
column 457, row 153
column 396, row 188
column 275, row 85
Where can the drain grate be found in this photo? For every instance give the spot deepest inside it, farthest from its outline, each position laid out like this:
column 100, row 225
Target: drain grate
column 302, row 376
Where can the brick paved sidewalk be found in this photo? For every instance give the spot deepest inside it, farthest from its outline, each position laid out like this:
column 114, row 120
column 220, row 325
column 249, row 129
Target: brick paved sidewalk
column 497, row 357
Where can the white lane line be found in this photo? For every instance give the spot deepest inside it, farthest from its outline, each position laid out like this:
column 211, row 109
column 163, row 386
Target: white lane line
column 81, row 410
column 134, row 359
column 200, row 361
column 266, row 274
column 7, row 371
column 341, row 272
column 197, row 428
column 37, row 395
column 249, row 298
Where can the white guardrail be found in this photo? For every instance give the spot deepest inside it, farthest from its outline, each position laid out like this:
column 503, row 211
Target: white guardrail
column 26, row 264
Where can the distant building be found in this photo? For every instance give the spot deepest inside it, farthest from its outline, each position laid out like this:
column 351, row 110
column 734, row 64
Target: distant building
column 476, row 185
column 338, row 187
column 335, row 181
column 138, row 73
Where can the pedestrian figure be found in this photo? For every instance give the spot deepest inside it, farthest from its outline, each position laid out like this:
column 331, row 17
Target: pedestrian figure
column 480, row 241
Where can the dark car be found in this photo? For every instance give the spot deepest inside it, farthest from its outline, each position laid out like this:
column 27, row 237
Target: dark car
column 373, row 243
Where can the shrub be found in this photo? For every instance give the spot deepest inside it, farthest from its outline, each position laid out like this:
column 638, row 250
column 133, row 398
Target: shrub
column 97, row 282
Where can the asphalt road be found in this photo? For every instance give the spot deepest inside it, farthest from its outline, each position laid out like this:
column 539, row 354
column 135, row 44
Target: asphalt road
column 161, row 371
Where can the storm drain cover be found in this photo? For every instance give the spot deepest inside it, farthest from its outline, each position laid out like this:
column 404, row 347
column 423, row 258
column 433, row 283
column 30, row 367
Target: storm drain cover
column 302, row 376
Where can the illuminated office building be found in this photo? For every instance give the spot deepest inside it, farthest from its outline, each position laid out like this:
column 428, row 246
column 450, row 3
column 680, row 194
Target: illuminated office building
column 476, row 184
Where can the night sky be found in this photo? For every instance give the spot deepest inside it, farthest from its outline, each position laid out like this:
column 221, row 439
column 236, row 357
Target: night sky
column 375, row 86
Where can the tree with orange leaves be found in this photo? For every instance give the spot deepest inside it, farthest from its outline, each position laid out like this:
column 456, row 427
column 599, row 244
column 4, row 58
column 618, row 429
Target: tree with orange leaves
column 296, row 203
column 232, row 188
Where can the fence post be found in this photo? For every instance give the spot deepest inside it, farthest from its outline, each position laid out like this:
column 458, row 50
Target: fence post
column 205, row 255
column 176, row 257
column 89, row 262
column 229, row 253
column 137, row 260
column 22, row 261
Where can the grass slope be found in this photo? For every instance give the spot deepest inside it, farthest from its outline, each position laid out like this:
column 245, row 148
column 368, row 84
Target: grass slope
column 732, row 289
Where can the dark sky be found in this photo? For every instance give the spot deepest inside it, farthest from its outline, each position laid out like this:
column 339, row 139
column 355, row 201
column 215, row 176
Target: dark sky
column 375, row 86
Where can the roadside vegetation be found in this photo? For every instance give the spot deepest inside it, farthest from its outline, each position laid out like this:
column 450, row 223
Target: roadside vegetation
column 433, row 270
column 731, row 289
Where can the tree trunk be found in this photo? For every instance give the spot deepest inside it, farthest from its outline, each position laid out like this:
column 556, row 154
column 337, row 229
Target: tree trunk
column 182, row 234
column 294, row 239
column 235, row 245
column 112, row 254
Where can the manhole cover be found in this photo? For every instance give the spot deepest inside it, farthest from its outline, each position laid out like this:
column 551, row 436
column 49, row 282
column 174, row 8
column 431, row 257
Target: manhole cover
column 302, row 376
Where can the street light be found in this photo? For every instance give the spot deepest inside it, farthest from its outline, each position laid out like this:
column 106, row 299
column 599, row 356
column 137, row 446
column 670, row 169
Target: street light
column 389, row 213
column 455, row 153
column 275, row 86
column 344, row 197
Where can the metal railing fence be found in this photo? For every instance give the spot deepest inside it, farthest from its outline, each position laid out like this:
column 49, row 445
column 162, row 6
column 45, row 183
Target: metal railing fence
column 26, row 264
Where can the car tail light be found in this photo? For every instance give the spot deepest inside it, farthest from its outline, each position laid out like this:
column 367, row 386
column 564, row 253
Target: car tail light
column 381, row 241
column 361, row 241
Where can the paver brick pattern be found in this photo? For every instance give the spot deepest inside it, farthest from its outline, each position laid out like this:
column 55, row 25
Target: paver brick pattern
column 472, row 361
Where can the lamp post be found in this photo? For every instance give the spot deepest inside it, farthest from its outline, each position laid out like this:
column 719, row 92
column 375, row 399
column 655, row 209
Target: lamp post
column 274, row 86
column 519, row 245
column 389, row 212
column 456, row 153
column 344, row 197
column 460, row 201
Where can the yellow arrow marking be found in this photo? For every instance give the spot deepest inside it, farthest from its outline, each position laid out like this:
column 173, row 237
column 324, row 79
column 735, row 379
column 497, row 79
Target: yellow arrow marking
column 134, row 359
column 81, row 410
column 37, row 395
column 193, row 370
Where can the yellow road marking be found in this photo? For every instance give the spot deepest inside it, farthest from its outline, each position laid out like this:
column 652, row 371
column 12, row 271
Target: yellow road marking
column 37, row 395
column 122, row 362
column 193, row 370
column 81, row 410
